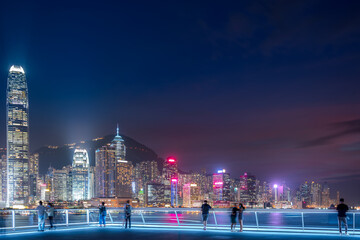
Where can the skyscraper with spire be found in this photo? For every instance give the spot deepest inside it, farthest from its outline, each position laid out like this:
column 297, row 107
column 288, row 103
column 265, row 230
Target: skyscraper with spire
column 17, row 121
column 123, row 167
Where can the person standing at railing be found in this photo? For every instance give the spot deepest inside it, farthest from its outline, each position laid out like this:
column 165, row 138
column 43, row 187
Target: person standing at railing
column 342, row 208
column 234, row 211
column 51, row 213
column 127, row 211
column 41, row 216
column 205, row 208
column 240, row 215
column 102, row 214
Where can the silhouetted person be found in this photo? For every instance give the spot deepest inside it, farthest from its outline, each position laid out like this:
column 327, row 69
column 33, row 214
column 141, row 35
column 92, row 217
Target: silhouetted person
column 205, row 208
column 240, row 216
column 41, row 216
column 51, row 213
column 234, row 211
column 127, row 211
column 102, row 214
column 342, row 208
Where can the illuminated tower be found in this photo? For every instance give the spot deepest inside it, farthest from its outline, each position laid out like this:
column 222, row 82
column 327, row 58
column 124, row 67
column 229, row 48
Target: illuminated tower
column 80, row 175
column 17, row 120
column 123, row 167
column 169, row 179
column 105, row 172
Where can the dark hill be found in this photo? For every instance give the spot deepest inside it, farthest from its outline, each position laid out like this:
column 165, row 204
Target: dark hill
column 60, row 156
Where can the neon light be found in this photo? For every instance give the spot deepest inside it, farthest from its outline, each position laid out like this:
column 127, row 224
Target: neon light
column 193, row 185
column 174, row 180
column 219, row 183
column 220, row 171
column 171, row 160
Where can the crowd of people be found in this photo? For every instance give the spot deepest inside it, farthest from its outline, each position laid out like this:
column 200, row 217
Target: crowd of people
column 235, row 216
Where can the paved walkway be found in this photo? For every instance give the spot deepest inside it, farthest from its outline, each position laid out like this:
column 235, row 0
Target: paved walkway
column 114, row 233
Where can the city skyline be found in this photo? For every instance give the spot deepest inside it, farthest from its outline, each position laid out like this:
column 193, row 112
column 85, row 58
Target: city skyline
column 221, row 90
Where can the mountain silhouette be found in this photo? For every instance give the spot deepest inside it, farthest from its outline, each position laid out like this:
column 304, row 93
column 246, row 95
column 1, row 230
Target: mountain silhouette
column 59, row 156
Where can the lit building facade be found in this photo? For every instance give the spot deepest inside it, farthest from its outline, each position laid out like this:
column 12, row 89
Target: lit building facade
column 248, row 190
column 33, row 177
column 105, row 172
column 191, row 195
column 61, row 184
column 222, row 186
column 123, row 168
column 3, row 176
column 144, row 173
column 154, row 195
column 80, row 175
column 170, row 172
column 17, row 121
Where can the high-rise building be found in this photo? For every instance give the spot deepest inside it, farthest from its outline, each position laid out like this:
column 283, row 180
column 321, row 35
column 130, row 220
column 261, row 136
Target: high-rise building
column 154, row 195
column 325, row 196
column 144, row 173
column 33, row 176
column 80, row 175
column 3, row 176
column 170, row 172
column 304, row 195
column 123, row 168
column 248, row 189
column 191, row 195
column 315, row 193
column 105, row 172
column 61, row 182
column 17, row 120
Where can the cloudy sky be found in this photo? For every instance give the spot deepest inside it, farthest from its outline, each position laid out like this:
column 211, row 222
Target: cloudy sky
column 266, row 87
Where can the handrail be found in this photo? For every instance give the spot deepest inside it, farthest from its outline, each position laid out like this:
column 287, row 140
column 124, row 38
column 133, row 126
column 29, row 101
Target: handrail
column 299, row 220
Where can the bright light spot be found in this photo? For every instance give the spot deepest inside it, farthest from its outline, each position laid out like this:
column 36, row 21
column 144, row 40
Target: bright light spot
column 174, row 180
column 16, row 69
column 219, row 183
column 275, row 186
column 193, row 185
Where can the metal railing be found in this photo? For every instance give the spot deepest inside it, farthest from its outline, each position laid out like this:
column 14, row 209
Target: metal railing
column 259, row 219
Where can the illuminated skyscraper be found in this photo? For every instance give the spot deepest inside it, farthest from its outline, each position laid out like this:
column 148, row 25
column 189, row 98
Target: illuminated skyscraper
column 144, row 173
column 248, row 189
column 123, row 168
column 80, row 175
column 61, row 182
column 222, row 186
column 105, row 172
column 33, row 176
column 3, row 176
column 191, row 195
column 17, row 120
column 170, row 172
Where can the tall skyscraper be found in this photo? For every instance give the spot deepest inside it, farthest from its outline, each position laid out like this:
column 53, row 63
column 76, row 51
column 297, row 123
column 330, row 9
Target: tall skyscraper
column 3, row 176
column 33, row 176
column 80, row 175
column 123, row 168
column 105, row 172
column 17, row 121
column 170, row 172
column 248, row 189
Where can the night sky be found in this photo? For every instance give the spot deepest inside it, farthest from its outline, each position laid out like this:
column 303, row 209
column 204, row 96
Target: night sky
column 266, row 87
